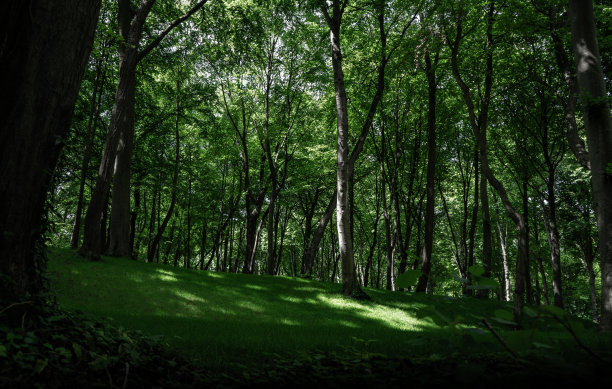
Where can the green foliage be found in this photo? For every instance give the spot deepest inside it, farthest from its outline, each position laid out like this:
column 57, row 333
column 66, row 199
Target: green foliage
column 61, row 348
column 408, row 279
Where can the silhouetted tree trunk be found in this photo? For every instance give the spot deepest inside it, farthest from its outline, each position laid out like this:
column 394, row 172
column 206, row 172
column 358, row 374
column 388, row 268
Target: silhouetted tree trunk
column 94, row 111
column 487, row 245
column 599, row 138
column 43, row 52
column 117, row 155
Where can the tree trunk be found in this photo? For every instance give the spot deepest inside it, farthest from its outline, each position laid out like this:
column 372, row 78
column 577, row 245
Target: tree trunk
column 162, row 227
column 311, row 250
column 45, row 47
column 133, row 221
column 120, row 138
column 587, row 262
column 487, row 246
column 527, row 265
column 599, row 138
column 94, row 111
column 431, row 173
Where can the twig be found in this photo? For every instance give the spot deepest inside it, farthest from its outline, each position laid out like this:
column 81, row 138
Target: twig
column 127, row 371
column 110, row 379
column 499, row 338
column 14, row 305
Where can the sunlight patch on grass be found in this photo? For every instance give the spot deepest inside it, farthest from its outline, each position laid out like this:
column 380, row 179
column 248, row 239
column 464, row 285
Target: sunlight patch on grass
column 165, row 275
column 255, row 287
column 289, row 322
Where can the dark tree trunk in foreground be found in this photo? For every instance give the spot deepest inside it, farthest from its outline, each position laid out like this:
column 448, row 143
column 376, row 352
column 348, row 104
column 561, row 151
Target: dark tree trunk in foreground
column 43, row 52
column 598, row 124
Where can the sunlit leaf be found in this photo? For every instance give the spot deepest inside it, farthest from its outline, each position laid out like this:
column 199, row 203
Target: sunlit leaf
column 476, row 270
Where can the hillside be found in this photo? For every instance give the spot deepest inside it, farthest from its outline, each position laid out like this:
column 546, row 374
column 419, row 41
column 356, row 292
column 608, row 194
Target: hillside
column 223, row 319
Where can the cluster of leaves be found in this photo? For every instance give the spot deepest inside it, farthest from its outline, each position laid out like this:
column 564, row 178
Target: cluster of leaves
column 54, row 348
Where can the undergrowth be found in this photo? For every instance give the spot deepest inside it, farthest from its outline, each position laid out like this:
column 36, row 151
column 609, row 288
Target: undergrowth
column 53, row 348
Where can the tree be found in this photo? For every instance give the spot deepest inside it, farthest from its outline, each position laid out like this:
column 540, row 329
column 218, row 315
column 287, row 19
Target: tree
column 45, row 47
column 117, row 155
column 598, row 124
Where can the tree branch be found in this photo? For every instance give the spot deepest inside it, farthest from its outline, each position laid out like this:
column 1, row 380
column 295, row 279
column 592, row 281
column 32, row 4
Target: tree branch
column 143, row 53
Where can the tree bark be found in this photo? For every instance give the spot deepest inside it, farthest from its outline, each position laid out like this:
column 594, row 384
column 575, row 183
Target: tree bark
column 120, row 138
column 432, row 86
column 599, row 139
column 96, row 102
column 44, row 51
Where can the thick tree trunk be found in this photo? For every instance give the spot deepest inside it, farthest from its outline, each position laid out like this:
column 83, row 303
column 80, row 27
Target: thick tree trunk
column 45, row 47
column 563, row 63
column 599, row 138
column 122, row 113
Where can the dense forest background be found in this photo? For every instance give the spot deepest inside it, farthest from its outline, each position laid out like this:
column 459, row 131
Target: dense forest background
column 221, row 133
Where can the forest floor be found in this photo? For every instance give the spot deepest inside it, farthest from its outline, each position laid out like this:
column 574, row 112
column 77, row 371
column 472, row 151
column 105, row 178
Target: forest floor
column 124, row 323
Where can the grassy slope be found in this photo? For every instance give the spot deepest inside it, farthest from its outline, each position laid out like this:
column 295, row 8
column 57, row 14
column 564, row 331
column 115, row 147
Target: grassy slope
column 222, row 317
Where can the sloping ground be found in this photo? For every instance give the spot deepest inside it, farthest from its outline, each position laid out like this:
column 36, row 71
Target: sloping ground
column 279, row 329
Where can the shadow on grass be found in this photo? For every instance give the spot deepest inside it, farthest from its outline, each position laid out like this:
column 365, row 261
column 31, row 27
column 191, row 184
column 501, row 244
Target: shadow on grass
column 222, row 318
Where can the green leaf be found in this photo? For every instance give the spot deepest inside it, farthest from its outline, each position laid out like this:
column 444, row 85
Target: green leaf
column 408, row 278
column 460, row 279
column 476, row 270
column 556, row 311
column 479, row 282
column 78, row 351
column 541, row 345
column 530, row 312
column 40, row 365
column 504, row 321
column 3, row 352
column 478, row 287
column 503, row 314
column 65, row 353
column 576, row 325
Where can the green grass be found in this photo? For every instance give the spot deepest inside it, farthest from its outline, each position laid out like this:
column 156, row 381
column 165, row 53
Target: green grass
column 223, row 318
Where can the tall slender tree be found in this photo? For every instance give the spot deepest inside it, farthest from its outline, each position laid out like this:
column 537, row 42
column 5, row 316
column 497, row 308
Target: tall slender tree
column 117, row 155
